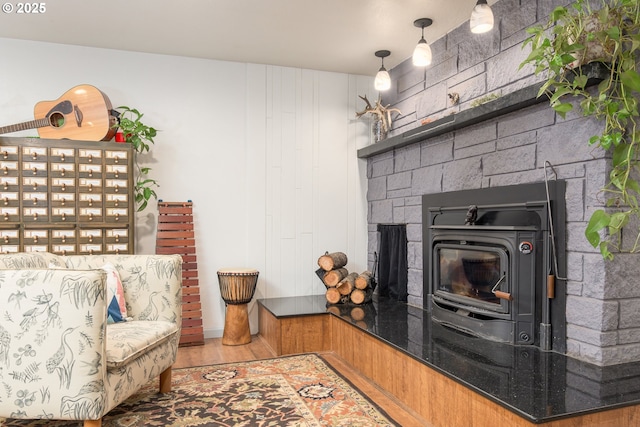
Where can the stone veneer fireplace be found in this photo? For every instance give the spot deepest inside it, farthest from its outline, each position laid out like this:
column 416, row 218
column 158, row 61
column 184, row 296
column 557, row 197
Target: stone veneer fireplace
column 437, row 147
column 602, row 325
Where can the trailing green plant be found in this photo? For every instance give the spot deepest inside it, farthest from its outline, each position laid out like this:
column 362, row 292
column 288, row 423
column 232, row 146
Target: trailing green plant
column 140, row 136
column 572, row 37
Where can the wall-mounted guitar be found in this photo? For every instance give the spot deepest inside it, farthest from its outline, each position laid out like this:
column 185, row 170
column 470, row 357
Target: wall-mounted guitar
column 82, row 113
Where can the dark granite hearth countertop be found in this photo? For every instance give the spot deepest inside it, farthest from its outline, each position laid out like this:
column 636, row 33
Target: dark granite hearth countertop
column 539, row 386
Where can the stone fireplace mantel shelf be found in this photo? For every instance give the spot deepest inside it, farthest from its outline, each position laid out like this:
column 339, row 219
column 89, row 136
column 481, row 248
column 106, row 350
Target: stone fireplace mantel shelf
column 508, row 103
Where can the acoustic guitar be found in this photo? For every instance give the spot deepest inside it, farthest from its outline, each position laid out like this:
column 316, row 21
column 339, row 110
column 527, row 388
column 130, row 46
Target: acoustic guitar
column 81, row 113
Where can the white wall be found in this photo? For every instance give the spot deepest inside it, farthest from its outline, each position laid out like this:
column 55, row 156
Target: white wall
column 267, row 155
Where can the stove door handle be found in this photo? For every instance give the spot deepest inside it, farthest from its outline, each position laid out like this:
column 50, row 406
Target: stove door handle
column 501, row 294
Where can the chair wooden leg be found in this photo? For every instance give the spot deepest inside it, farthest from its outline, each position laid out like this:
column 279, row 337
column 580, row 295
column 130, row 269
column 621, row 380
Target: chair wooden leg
column 92, row 423
column 165, row 381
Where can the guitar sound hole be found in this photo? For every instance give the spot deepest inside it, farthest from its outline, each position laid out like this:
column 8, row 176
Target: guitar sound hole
column 56, row 119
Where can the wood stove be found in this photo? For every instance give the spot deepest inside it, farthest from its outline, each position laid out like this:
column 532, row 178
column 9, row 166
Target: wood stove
column 489, row 263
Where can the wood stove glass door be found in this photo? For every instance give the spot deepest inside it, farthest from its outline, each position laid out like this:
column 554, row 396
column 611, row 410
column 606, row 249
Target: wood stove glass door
column 467, row 276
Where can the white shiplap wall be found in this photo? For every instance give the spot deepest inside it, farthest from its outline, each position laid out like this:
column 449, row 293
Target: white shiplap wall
column 267, row 154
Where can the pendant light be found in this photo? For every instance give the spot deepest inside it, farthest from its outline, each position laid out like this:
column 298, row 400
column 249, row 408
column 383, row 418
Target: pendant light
column 383, row 79
column 481, row 18
column 422, row 53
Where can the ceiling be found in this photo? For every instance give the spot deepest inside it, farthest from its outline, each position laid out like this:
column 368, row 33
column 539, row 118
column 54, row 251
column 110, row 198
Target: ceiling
column 328, row 35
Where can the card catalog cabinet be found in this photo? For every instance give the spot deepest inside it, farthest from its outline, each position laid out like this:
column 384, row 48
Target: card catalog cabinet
column 66, row 197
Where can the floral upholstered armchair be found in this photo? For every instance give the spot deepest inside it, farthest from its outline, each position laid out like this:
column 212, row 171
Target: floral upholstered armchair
column 61, row 355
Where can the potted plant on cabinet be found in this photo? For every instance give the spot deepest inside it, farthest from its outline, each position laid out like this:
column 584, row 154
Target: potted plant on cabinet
column 140, row 136
column 573, row 37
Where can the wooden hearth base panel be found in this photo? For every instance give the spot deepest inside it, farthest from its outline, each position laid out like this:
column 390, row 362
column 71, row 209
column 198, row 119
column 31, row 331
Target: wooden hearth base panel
column 440, row 400
column 298, row 334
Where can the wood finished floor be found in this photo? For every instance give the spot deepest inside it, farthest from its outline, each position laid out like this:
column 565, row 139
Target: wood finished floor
column 213, row 352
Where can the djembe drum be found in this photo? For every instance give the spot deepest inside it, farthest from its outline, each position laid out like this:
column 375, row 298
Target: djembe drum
column 237, row 286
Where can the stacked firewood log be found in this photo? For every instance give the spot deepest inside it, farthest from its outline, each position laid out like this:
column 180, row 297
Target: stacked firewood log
column 342, row 286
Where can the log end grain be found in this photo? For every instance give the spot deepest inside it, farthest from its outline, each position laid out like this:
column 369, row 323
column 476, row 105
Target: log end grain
column 333, row 277
column 332, row 261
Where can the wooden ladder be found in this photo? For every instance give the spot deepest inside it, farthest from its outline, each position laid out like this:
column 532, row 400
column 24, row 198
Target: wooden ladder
column 176, row 236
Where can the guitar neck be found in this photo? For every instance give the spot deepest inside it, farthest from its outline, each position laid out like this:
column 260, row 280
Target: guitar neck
column 33, row 124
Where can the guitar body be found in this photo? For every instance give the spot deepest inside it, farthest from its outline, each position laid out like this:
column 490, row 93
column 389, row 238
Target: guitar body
column 81, row 113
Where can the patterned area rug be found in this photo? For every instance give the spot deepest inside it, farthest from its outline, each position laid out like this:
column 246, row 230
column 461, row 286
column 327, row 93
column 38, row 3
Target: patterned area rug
column 287, row 391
